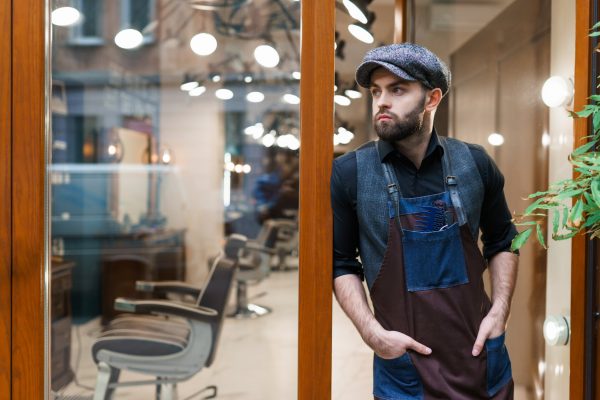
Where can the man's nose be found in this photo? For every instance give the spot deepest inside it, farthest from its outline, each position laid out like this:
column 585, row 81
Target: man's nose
column 383, row 101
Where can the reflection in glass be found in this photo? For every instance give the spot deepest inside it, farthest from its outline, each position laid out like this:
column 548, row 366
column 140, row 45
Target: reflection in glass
column 174, row 198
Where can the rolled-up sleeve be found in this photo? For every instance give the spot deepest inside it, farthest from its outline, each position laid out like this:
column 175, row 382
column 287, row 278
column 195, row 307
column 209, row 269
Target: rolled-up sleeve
column 496, row 224
column 345, row 220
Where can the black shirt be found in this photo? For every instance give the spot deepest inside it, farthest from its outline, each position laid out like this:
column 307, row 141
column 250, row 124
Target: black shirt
column 495, row 221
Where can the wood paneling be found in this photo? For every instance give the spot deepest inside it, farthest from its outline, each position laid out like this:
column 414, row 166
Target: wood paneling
column 5, row 203
column 316, row 155
column 400, row 24
column 578, row 252
column 28, row 166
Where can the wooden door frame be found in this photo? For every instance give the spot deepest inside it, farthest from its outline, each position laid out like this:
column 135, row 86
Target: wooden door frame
column 5, row 197
column 581, row 323
column 28, row 198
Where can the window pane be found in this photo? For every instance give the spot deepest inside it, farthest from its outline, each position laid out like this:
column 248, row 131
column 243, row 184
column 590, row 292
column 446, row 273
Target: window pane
column 163, row 154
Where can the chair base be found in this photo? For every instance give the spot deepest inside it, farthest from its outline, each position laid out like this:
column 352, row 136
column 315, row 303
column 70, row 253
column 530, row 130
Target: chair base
column 249, row 311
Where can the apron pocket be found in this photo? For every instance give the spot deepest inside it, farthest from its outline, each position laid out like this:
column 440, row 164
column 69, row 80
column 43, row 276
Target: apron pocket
column 499, row 371
column 434, row 260
column 396, row 379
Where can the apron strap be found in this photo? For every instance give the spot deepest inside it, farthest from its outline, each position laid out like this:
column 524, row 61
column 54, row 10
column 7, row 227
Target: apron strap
column 451, row 183
column 393, row 189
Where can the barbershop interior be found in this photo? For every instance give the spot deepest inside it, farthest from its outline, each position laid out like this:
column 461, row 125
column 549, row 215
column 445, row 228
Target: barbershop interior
column 175, row 148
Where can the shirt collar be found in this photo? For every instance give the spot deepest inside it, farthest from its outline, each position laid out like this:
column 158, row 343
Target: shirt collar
column 386, row 148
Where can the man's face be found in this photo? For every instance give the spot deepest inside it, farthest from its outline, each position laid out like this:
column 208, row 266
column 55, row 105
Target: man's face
column 398, row 106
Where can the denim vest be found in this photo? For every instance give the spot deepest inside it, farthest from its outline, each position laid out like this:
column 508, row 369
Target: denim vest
column 372, row 199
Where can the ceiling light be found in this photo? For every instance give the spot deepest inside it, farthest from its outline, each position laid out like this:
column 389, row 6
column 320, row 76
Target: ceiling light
column 238, row 168
column 353, row 94
column 248, row 78
column 293, row 143
column 291, row 98
column 266, row 56
column 557, row 91
column 282, row 141
column 341, row 100
column 129, row 39
column 361, row 33
column 246, row 168
column 255, row 130
column 187, row 86
column 296, row 75
column 268, row 140
column 496, row 139
column 197, row 91
column 215, row 78
column 65, row 16
column 203, row 44
column 344, row 135
column 355, row 12
column 224, row 94
column 255, row 97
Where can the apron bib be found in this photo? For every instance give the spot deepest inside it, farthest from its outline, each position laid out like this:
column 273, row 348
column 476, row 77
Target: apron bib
column 430, row 287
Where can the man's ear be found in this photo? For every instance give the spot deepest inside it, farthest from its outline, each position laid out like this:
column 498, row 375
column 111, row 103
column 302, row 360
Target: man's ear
column 434, row 97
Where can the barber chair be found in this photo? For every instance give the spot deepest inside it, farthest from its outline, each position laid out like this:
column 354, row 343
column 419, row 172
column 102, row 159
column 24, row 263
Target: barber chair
column 169, row 340
column 286, row 244
column 254, row 265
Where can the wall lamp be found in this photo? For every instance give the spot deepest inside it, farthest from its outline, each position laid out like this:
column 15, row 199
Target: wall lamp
column 557, row 92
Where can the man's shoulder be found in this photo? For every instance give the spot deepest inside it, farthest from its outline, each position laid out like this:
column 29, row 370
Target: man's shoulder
column 348, row 160
column 477, row 151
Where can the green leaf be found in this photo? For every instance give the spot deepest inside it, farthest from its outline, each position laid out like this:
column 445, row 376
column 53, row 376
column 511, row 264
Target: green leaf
column 555, row 222
column 596, row 25
column 533, row 206
column 584, row 148
column 537, row 194
column 585, row 113
column 540, row 236
column 595, row 97
column 596, row 191
column 520, row 239
column 569, row 193
column 576, row 213
column 565, row 236
column 596, row 119
column 594, row 34
column 565, row 218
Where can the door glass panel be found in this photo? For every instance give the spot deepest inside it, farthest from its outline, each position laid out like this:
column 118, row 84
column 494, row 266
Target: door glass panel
column 175, row 129
column 498, row 54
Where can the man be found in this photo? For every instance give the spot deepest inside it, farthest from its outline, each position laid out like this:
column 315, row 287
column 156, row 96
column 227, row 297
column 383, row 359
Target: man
column 411, row 206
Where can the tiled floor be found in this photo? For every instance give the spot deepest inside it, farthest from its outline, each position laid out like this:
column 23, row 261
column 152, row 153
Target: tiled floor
column 256, row 359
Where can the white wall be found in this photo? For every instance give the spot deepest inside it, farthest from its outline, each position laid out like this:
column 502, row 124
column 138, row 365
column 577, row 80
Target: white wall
column 558, row 286
column 192, row 195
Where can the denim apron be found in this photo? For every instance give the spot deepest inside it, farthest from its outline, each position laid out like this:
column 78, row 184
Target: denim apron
column 430, row 287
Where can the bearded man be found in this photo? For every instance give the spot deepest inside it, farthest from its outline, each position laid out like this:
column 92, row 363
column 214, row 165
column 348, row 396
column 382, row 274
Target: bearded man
column 411, row 206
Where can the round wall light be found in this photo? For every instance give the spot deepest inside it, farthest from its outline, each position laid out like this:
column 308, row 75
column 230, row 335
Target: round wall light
column 556, row 330
column 266, row 56
column 203, row 44
column 496, row 139
column 65, row 16
column 557, row 91
column 129, row 39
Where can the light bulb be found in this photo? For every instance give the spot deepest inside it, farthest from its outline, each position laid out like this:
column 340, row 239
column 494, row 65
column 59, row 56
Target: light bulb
column 224, row 94
column 341, row 100
column 268, row 140
column 266, row 56
column 255, row 97
column 496, row 139
column 203, row 44
column 361, row 33
column 557, row 91
column 65, row 16
column 187, row 86
column 129, row 39
column 197, row 91
column 353, row 94
column 291, row 98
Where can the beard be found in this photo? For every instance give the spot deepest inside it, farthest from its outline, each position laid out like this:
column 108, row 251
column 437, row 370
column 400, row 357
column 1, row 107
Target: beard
column 396, row 129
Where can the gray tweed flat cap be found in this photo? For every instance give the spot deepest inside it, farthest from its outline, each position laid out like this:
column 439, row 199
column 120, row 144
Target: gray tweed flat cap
column 407, row 61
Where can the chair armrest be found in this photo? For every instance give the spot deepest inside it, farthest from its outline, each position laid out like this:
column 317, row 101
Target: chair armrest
column 167, row 287
column 258, row 247
column 188, row 311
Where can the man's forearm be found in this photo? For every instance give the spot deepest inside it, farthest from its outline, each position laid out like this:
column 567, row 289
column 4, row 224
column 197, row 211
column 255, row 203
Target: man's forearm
column 503, row 273
column 351, row 295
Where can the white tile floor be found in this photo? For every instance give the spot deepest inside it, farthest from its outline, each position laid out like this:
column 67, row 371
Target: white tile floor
column 256, row 359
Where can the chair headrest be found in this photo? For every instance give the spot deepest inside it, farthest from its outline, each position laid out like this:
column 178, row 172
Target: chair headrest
column 233, row 245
